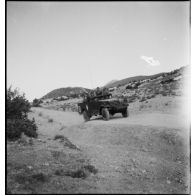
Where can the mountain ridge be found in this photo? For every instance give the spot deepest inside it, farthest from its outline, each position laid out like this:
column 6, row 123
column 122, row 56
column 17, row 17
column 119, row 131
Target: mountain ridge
column 65, row 91
column 140, row 77
column 68, row 91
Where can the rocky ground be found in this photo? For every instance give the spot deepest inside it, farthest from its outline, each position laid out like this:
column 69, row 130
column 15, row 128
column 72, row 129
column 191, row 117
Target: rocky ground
column 148, row 152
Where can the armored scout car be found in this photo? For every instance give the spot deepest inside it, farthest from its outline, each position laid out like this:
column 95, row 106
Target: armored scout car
column 103, row 105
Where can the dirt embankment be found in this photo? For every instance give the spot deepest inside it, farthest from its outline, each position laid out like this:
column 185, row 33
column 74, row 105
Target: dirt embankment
column 144, row 153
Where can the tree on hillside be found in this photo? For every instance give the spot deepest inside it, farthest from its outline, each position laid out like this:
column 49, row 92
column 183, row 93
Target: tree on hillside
column 36, row 102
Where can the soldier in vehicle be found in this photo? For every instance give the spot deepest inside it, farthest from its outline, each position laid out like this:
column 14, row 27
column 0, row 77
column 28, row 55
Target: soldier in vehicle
column 86, row 97
column 98, row 91
column 92, row 93
column 105, row 91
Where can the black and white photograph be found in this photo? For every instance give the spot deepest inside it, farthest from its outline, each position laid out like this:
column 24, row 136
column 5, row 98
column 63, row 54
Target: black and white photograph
column 98, row 97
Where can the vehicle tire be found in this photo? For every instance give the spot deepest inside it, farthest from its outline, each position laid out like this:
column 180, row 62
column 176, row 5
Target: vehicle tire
column 85, row 116
column 105, row 114
column 79, row 110
column 125, row 113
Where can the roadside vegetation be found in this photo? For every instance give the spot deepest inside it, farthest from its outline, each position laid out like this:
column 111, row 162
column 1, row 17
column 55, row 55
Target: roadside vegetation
column 17, row 121
column 37, row 102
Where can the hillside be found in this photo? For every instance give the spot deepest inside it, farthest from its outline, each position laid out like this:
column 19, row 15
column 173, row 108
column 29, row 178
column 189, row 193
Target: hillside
column 165, row 84
column 129, row 79
column 139, row 85
column 117, row 83
column 65, row 92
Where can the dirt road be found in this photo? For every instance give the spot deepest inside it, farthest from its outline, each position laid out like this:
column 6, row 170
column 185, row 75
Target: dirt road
column 144, row 153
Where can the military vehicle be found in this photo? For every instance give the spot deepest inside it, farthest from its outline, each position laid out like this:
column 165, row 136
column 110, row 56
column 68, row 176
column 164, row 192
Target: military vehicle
column 103, row 105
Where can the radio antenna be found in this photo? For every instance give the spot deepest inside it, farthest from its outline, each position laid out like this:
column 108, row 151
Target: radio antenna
column 90, row 76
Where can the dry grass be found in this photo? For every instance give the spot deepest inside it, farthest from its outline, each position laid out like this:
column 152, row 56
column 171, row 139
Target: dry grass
column 29, row 181
column 82, row 172
column 60, row 137
column 91, row 169
column 141, row 107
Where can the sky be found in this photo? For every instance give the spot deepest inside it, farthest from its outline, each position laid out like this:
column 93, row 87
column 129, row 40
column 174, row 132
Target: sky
column 86, row 44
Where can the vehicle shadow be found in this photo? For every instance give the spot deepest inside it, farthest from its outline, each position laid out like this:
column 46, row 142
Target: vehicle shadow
column 115, row 117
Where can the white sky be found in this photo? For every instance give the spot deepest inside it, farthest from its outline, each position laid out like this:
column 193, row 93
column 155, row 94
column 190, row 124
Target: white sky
column 60, row 44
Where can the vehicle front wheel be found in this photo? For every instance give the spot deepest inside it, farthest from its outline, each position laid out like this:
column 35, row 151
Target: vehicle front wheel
column 86, row 116
column 105, row 114
column 125, row 113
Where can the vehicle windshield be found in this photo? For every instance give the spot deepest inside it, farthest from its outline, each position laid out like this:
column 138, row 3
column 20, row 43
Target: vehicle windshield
column 101, row 97
column 95, row 98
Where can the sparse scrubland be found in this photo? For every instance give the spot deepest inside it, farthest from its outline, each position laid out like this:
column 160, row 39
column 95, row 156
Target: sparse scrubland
column 147, row 152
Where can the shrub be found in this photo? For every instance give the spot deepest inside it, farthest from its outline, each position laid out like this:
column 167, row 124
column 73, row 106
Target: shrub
column 152, row 96
column 66, row 141
column 173, row 93
column 128, row 87
column 17, row 105
column 30, row 128
column 80, row 173
column 15, row 127
column 17, row 121
column 13, row 132
column 36, row 102
column 32, row 179
column 61, row 137
column 74, row 95
column 50, row 120
column 90, row 168
column 164, row 93
column 41, row 177
column 142, row 99
column 168, row 80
